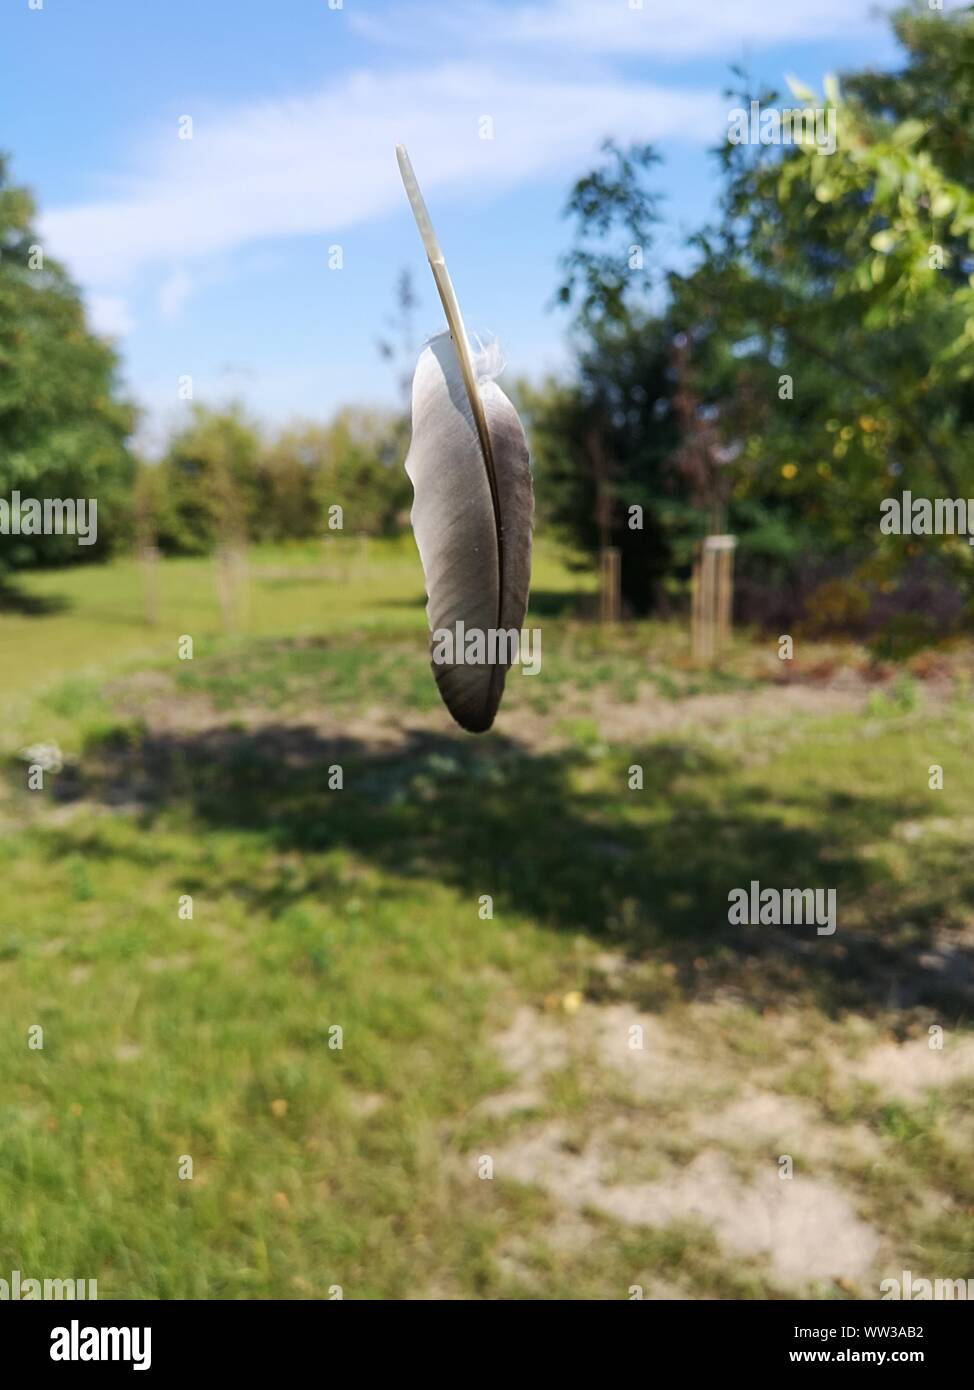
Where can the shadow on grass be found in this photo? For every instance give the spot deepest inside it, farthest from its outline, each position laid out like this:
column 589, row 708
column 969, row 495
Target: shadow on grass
column 543, row 603
column 13, row 599
column 562, row 840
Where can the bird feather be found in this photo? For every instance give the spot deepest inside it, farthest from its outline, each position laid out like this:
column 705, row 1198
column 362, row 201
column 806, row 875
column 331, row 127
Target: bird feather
column 473, row 500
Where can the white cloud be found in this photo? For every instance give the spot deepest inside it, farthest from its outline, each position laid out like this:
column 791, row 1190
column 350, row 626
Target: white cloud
column 173, row 294
column 109, row 315
column 320, row 164
column 677, row 31
column 616, row 28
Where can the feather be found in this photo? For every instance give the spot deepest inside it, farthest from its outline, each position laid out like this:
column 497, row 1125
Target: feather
column 473, row 501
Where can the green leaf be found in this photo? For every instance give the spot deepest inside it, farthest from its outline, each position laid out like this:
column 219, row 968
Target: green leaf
column 908, row 132
column 799, row 90
column 942, row 203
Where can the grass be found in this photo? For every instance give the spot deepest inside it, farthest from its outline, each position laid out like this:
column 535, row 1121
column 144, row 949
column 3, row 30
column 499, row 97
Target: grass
column 361, row 909
column 92, row 617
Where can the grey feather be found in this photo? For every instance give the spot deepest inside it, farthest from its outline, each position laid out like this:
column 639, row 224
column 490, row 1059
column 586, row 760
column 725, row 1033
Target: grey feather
column 472, row 516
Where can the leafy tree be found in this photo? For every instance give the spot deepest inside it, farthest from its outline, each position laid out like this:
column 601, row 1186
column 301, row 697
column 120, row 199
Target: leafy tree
column 209, row 481
column 817, row 359
column 614, row 210
column 934, row 86
column 222, row 481
column 604, row 443
column 840, row 282
column 288, row 507
column 602, row 446
column 361, row 470
column 63, row 423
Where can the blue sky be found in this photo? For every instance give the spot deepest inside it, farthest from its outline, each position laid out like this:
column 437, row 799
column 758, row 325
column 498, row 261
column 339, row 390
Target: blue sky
column 210, row 256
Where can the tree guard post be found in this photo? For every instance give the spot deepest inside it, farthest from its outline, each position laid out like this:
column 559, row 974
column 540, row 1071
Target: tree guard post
column 712, row 598
column 610, row 588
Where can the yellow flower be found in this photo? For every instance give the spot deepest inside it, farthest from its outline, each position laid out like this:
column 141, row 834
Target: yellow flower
column 788, row 470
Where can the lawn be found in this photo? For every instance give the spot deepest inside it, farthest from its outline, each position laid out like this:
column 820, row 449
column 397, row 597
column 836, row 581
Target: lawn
column 465, row 1017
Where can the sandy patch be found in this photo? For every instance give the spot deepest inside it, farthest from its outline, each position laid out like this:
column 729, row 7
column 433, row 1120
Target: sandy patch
column 654, row 1061
column 805, row 1228
column 762, row 1123
column 906, row 1071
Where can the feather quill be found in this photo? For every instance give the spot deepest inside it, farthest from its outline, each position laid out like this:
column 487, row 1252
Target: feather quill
column 473, row 502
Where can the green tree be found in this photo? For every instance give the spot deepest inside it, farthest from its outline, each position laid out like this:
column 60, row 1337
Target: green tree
column 63, row 422
column 289, row 508
column 605, row 443
column 602, row 447
column 361, row 470
column 818, row 358
column 841, row 284
column 209, row 482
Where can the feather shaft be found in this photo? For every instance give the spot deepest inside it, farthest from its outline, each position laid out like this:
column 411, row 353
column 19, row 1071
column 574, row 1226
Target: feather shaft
column 454, row 319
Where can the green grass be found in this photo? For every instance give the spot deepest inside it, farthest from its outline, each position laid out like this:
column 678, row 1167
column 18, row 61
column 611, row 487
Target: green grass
column 93, row 617
column 358, row 908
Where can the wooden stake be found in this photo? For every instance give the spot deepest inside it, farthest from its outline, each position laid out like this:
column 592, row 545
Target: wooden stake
column 712, row 598
column 231, row 586
column 149, row 557
column 610, row 591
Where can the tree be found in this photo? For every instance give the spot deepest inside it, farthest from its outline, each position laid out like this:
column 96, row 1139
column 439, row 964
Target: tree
column 361, row 470
column 289, row 508
column 602, row 447
column 400, row 349
column 63, row 422
column 840, row 282
column 209, row 482
column 603, row 443
column 818, row 358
